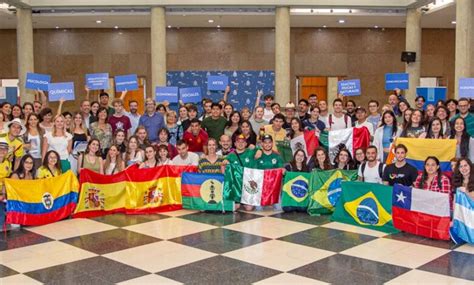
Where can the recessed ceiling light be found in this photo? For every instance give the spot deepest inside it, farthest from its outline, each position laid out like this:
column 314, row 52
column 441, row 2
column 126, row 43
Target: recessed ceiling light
column 98, row 22
column 52, row 10
column 57, row 27
column 169, row 26
column 325, row 26
column 218, row 26
column 376, row 27
column 210, row 21
column 133, row 10
column 453, row 22
column 116, row 27
column 64, row 30
column 120, row 33
column 342, row 21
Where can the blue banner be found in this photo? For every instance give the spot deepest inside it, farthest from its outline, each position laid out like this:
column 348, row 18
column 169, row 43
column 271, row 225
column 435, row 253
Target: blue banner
column 217, row 82
column 349, row 87
column 169, row 94
column 431, row 94
column 243, row 84
column 396, row 80
column 190, row 95
column 126, row 82
column 97, row 81
column 466, row 87
column 37, row 81
column 64, row 90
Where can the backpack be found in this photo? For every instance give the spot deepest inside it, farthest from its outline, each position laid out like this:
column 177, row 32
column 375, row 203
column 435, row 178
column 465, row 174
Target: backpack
column 362, row 170
column 346, row 119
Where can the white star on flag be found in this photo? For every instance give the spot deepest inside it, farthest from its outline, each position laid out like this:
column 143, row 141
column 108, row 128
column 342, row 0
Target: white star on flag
column 401, row 197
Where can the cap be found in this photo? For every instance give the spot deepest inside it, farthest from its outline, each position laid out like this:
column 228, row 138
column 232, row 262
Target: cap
column 240, row 137
column 3, row 143
column 290, row 105
column 267, row 137
column 360, row 108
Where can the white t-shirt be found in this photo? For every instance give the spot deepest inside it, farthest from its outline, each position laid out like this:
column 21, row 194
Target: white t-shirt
column 339, row 123
column 371, row 174
column 59, row 144
column 35, row 142
column 191, row 159
column 267, row 114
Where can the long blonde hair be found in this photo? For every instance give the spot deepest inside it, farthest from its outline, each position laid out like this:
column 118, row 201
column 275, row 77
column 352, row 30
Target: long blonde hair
column 118, row 160
column 82, row 126
column 55, row 130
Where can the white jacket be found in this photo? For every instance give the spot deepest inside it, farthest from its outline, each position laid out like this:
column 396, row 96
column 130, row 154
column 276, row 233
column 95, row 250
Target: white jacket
column 378, row 141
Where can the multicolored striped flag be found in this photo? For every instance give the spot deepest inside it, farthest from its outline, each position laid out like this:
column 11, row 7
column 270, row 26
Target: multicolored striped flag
column 132, row 191
column 204, row 192
column 325, row 189
column 41, row 201
column 420, row 149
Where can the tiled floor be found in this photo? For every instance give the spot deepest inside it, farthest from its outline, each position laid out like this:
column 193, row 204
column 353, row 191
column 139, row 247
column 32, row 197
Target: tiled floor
column 236, row 248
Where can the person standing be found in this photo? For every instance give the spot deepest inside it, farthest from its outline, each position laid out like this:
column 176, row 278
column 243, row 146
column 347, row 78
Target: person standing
column 400, row 172
column 119, row 121
column 215, row 124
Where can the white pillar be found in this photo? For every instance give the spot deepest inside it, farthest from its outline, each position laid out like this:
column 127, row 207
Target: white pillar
column 413, row 43
column 158, row 47
column 24, row 46
column 464, row 13
column 282, row 55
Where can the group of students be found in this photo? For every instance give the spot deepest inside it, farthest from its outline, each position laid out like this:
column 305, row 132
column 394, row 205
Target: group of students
column 36, row 142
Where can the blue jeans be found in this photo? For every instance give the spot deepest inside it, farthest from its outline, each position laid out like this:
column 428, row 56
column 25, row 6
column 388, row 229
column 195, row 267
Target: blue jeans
column 2, row 215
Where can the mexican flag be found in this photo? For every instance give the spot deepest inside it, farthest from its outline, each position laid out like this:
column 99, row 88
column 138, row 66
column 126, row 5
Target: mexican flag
column 352, row 138
column 368, row 205
column 204, row 192
column 284, row 149
column 255, row 187
column 326, row 189
column 295, row 191
column 308, row 142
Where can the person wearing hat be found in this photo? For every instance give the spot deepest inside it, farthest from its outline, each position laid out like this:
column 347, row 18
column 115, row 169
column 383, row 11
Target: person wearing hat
column 266, row 157
column 5, row 171
column 15, row 129
column 290, row 112
column 361, row 116
column 241, row 156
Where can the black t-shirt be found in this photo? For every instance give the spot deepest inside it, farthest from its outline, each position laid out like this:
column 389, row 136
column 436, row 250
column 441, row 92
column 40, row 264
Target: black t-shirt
column 405, row 175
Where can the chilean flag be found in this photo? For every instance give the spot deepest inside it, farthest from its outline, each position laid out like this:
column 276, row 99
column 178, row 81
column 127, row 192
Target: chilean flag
column 421, row 212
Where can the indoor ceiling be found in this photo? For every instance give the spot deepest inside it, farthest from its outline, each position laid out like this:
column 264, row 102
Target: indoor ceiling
column 121, row 17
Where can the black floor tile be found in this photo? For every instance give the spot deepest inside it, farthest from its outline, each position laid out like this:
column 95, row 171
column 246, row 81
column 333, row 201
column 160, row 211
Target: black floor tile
column 220, row 219
column 110, row 241
column 343, row 269
column 328, row 239
column 122, row 220
column 219, row 240
column 95, row 270
column 304, row 218
column 21, row 237
column 219, row 270
column 6, row 271
column 407, row 237
column 455, row 264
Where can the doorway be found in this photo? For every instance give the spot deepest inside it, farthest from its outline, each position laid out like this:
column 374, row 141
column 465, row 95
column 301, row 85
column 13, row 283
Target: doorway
column 312, row 85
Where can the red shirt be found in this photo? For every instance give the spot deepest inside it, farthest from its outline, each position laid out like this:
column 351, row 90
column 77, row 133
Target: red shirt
column 445, row 186
column 196, row 143
column 120, row 123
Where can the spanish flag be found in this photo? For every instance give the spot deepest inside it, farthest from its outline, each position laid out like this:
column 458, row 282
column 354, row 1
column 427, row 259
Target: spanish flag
column 42, row 201
column 420, row 149
column 132, row 191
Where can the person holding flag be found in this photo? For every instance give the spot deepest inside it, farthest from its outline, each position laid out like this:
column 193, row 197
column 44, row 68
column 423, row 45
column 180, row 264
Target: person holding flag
column 431, row 178
column 400, row 172
column 463, row 177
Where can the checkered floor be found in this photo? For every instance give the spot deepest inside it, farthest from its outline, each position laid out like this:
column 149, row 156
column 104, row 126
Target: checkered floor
column 210, row 248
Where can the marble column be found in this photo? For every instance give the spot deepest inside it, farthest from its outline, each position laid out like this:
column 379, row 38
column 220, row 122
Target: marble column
column 464, row 37
column 25, row 56
column 282, row 55
column 158, row 47
column 413, row 43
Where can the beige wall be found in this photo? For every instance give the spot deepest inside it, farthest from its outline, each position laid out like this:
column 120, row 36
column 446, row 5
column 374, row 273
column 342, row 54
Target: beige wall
column 356, row 53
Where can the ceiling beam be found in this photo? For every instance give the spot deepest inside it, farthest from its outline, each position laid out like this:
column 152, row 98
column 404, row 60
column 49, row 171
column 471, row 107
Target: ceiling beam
column 18, row 3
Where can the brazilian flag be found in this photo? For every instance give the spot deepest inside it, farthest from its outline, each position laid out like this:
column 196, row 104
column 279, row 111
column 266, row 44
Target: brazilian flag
column 295, row 191
column 326, row 189
column 284, row 149
column 365, row 204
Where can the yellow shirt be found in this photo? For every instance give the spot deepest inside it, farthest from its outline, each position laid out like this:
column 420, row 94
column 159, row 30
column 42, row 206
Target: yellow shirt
column 43, row 172
column 277, row 136
column 5, row 171
column 15, row 146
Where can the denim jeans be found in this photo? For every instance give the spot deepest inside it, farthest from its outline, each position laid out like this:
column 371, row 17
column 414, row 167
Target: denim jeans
column 2, row 215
